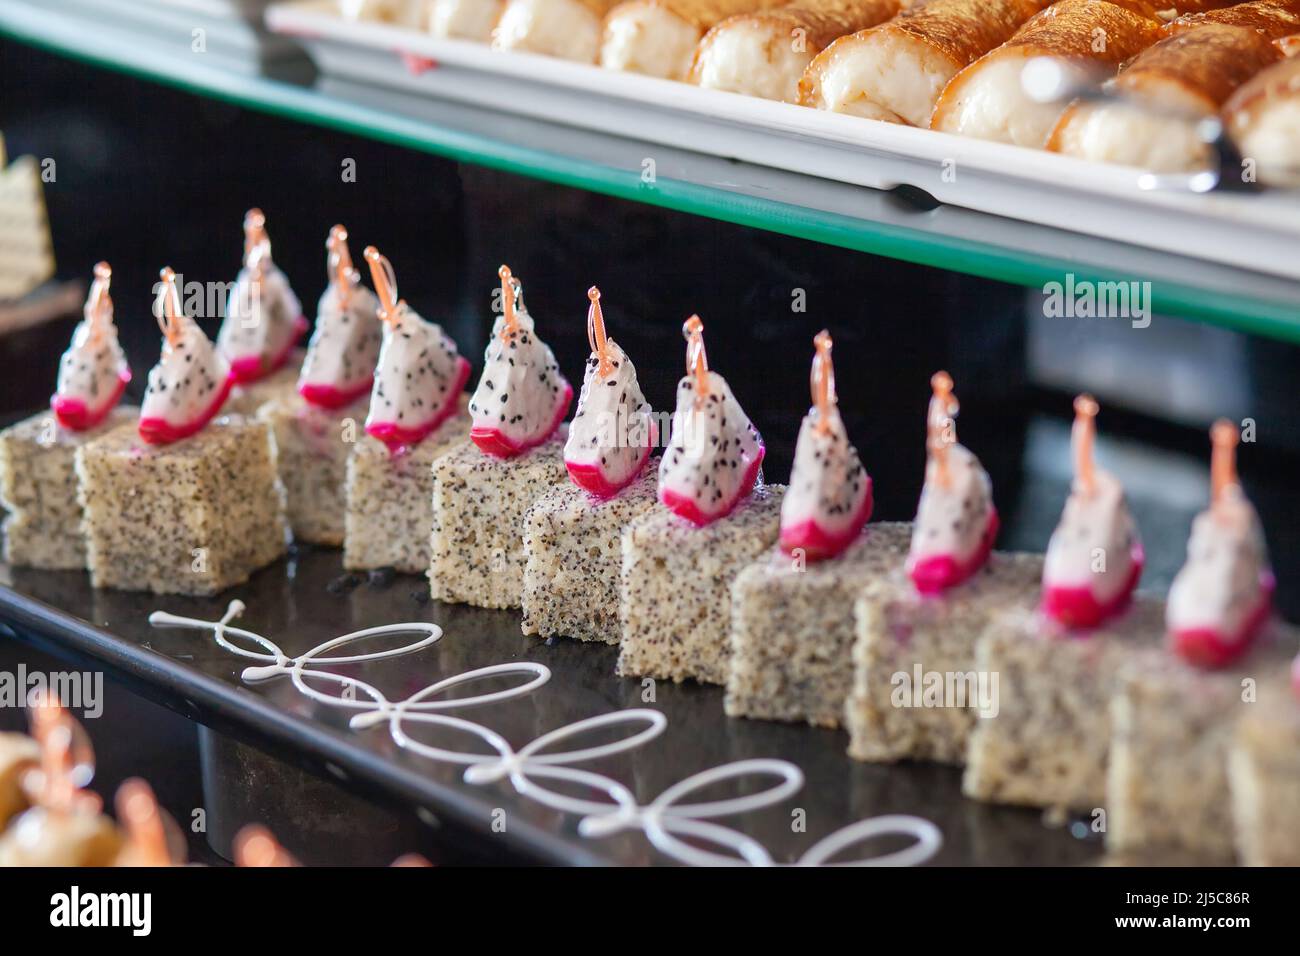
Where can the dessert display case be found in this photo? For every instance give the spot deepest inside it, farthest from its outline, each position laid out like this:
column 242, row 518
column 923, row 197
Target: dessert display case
column 919, row 250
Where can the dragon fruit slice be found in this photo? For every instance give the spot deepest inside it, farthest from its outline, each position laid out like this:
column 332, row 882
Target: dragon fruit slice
column 1223, row 595
column 956, row 522
column 829, row 499
column 264, row 319
column 716, row 454
column 93, row 371
column 340, row 363
column 191, row 381
column 420, row 374
column 613, row 429
column 522, row 397
column 1095, row 557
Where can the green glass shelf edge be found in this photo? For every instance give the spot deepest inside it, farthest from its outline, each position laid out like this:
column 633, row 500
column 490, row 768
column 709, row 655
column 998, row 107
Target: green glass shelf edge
column 1267, row 318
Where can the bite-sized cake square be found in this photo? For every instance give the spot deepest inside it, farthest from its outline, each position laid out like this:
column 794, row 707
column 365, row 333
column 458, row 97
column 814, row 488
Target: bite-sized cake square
column 247, row 397
column 1264, row 777
column 313, row 445
column 916, row 691
column 792, row 628
column 574, row 559
column 38, row 487
column 1049, row 742
column 479, row 502
column 389, row 492
column 1172, row 725
column 193, row 516
column 675, row 592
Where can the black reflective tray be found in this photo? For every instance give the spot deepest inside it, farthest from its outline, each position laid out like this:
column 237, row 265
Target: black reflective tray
column 289, row 603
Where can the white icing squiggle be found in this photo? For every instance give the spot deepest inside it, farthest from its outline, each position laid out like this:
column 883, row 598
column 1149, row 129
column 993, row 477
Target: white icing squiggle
column 667, row 822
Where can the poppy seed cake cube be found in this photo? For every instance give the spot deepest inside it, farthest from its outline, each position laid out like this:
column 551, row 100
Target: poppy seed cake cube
column 1048, row 746
column 573, row 547
column 389, row 498
column 1264, row 778
column 479, row 503
column 38, row 487
column 193, row 517
column 313, row 445
column 792, row 628
column 675, row 590
column 915, row 688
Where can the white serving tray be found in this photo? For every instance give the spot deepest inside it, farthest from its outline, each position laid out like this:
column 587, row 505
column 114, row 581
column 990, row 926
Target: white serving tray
column 1258, row 232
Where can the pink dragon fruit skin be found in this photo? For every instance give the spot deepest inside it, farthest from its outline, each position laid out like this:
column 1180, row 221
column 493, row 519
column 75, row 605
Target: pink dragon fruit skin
column 830, row 495
column 715, row 454
column 264, row 320
column 341, row 356
column 522, row 397
column 1096, row 520
column 420, row 374
column 611, row 405
column 1222, row 597
column 93, row 372
column 956, row 522
column 191, row 381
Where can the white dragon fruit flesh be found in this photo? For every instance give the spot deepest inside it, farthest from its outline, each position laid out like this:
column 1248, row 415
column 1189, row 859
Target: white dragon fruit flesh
column 613, row 430
column 420, row 374
column 264, row 319
column 830, row 494
column 956, row 522
column 1222, row 597
column 522, row 397
column 1094, row 557
column 715, row 454
column 191, row 381
column 341, row 356
column 93, row 372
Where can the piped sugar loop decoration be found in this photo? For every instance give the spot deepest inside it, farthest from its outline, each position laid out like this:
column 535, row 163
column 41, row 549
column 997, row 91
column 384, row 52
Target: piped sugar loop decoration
column 67, row 763
column 146, row 826
column 385, row 279
column 697, row 360
column 940, row 422
column 170, row 317
column 1224, row 484
column 99, row 305
column 1083, row 437
column 675, row 827
column 511, row 289
column 257, row 244
column 596, row 332
column 338, row 264
column 823, row 380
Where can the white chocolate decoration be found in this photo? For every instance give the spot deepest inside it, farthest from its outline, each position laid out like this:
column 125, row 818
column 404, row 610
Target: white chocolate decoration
column 830, row 495
column 1222, row 596
column 93, row 372
column 613, row 430
column 264, row 319
column 190, row 383
column 956, row 522
column 340, row 363
column 420, row 374
column 715, row 454
column 522, row 397
column 1094, row 557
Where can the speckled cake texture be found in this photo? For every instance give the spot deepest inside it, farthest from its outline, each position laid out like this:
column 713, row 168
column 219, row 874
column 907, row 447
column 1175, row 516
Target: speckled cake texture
column 38, row 487
column 675, row 589
column 313, row 445
column 389, row 498
column 1264, row 779
column 193, row 517
column 479, row 503
column 574, row 559
column 792, row 628
column 916, row 691
column 1171, row 728
column 280, row 384
column 1049, row 743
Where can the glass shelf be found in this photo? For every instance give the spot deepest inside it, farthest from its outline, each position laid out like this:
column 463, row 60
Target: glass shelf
column 880, row 223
